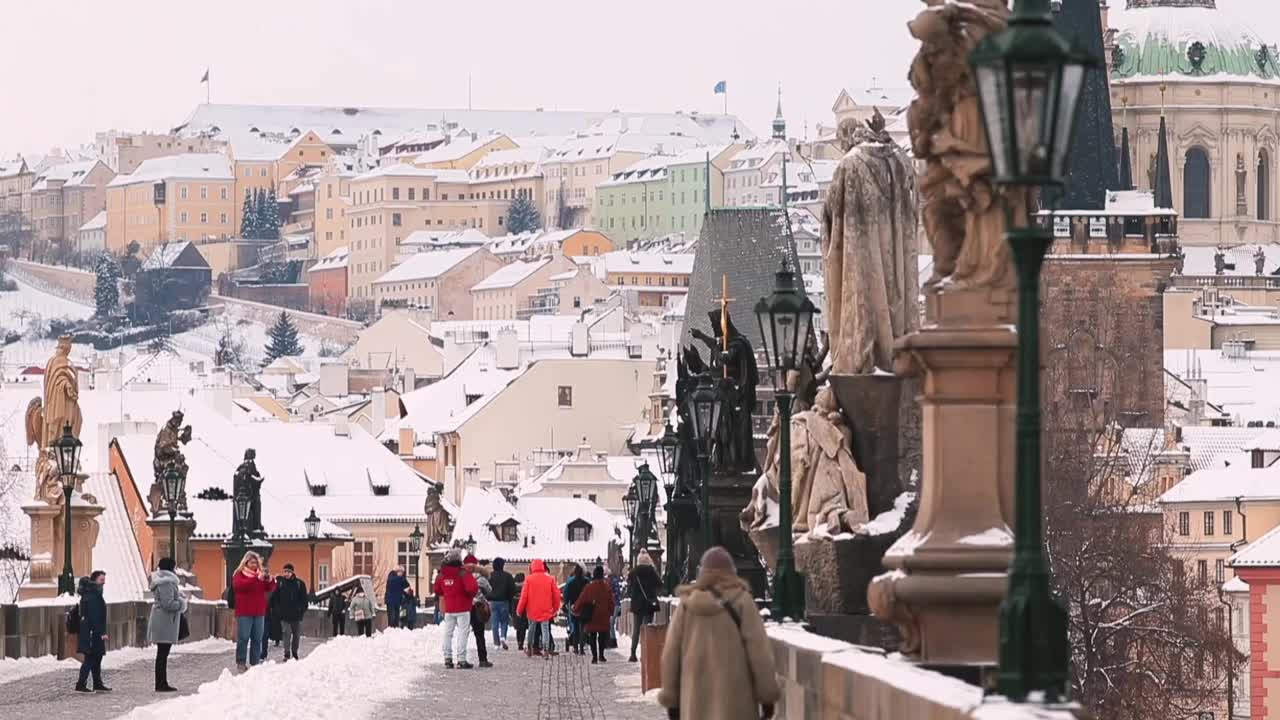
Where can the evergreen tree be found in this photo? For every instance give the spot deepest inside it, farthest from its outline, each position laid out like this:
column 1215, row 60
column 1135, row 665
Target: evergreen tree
column 249, row 216
column 284, row 338
column 259, row 214
column 269, row 216
column 522, row 216
column 106, row 291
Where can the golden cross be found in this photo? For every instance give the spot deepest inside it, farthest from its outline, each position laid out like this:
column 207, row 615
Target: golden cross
column 724, row 301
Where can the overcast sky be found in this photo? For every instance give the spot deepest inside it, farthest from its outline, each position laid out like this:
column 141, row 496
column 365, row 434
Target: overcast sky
column 75, row 66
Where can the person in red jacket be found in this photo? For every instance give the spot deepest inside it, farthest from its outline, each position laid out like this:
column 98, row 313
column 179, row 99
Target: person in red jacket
column 539, row 601
column 250, row 583
column 455, row 590
column 596, row 604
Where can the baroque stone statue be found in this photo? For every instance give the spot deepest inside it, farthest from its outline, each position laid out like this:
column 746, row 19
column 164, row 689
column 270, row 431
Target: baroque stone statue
column 47, row 416
column 869, row 248
column 248, row 480
column 734, row 360
column 960, row 207
column 1242, row 205
column 168, row 454
column 1259, row 261
column 439, row 526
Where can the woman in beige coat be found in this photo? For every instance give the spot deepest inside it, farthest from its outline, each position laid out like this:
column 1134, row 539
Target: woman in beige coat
column 716, row 649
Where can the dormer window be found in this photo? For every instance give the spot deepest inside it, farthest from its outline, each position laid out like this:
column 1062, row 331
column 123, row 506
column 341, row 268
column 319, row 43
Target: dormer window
column 508, row 531
column 579, row 531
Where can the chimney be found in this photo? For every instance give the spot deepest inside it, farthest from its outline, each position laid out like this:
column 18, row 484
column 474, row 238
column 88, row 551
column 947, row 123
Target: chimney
column 406, row 441
column 220, row 398
column 341, row 428
column 377, row 411
column 116, row 381
column 335, row 379
column 580, row 340
column 507, row 350
column 408, row 380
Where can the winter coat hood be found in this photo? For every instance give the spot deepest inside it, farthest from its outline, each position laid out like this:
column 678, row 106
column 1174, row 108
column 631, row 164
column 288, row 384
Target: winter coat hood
column 163, row 577
column 698, row 599
column 537, row 566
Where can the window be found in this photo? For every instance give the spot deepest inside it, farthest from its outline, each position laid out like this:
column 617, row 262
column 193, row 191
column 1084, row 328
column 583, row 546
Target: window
column 204, row 192
column 222, row 218
column 1208, row 522
column 564, row 396
column 262, row 172
column 362, row 557
column 579, row 531
column 182, row 217
column 411, row 192
column 322, row 576
column 1226, row 522
column 592, row 498
column 1202, row 571
column 395, row 219
column 1184, row 523
column 248, row 172
column 406, row 558
column 1196, row 184
column 1264, row 184
column 328, row 213
column 395, row 193
column 182, row 191
column 507, row 532
column 1219, row 571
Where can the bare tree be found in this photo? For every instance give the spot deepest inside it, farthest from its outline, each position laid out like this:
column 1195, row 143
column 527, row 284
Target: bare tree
column 15, row 547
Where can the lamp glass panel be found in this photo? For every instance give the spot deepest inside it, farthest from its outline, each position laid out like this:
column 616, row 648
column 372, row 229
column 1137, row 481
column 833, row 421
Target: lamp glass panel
column 1073, row 74
column 1032, row 91
column 992, row 95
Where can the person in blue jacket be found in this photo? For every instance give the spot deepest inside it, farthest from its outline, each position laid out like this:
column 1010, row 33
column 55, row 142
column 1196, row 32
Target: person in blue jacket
column 393, row 595
column 92, row 638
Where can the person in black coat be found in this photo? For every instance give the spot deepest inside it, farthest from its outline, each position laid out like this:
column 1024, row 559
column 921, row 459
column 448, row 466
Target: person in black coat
column 290, row 605
column 572, row 589
column 338, row 613
column 519, row 622
column 92, row 639
column 643, row 584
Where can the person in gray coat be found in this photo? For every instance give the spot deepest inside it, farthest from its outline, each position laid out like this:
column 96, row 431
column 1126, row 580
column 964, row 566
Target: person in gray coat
column 166, row 618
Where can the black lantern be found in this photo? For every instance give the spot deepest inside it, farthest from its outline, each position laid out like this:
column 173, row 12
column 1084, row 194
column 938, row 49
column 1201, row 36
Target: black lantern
column 470, row 544
column 1029, row 80
column 786, row 319
column 241, row 503
column 629, row 502
column 646, row 486
column 67, row 448
column 312, row 523
column 668, row 450
column 415, row 540
column 704, row 408
column 174, row 484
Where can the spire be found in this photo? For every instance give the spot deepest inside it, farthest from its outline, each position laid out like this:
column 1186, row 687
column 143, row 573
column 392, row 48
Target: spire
column 1126, row 169
column 1164, row 186
column 1092, row 167
column 779, row 124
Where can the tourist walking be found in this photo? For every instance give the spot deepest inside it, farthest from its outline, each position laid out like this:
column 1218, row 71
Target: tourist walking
column 519, row 621
column 363, row 612
column 615, row 586
column 573, row 588
column 594, row 610
column 501, row 597
column 338, row 613
column 92, row 637
column 393, row 595
column 642, row 590
column 290, row 600
column 163, row 626
column 717, row 663
column 539, row 601
column 455, row 588
column 481, row 611
column 251, row 583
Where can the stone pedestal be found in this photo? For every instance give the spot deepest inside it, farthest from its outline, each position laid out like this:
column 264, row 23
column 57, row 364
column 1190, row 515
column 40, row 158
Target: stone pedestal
column 730, row 492
column 183, row 528
column 47, row 534
column 947, row 577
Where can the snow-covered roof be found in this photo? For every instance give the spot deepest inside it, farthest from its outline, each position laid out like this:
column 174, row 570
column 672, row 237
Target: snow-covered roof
column 1207, row 446
column 333, row 261
column 1235, row 585
column 1263, row 552
column 165, row 255
column 756, row 155
column 1156, row 39
column 599, row 147
column 16, row 166
column 455, row 150
column 513, row 244
column 650, row 169
column 262, row 147
column 1226, row 484
column 1199, row 260
column 97, row 222
column 531, row 155
column 543, row 527
column 406, row 170
column 626, row 261
column 510, row 275
column 886, row 99
column 1244, row 387
column 426, row 265
column 187, row 166
column 420, row 240
column 71, row 174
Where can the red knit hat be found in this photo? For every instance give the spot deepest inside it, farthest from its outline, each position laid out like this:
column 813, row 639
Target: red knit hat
column 470, row 560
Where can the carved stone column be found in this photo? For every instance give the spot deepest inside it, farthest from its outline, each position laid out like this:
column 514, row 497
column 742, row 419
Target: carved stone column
column 183, row 528
column 47, row 543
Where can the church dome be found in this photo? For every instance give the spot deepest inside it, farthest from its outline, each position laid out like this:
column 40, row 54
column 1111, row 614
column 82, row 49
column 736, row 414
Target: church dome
column 1187, row 40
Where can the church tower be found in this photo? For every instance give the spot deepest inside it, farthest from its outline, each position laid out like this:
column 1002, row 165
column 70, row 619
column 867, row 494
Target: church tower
column 779, row 124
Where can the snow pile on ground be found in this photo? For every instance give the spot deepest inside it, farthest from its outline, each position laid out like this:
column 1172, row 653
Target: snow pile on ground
column 629, row 689
column 346, row 678
column 12, row 669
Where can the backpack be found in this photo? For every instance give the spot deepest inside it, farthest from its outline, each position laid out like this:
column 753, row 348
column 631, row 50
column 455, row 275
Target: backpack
column 480, row 611
column 73, row 620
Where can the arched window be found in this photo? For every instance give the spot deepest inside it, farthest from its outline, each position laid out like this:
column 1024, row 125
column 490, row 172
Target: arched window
column 1196, row 184
column 1264, row 184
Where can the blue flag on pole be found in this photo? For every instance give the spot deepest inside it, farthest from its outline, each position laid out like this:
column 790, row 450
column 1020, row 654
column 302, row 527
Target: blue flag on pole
column 720, row 88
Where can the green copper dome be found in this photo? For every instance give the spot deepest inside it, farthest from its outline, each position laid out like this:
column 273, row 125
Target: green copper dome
column 1185, row 39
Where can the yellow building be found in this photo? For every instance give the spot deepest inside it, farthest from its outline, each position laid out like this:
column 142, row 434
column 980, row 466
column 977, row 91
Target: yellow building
column 573, row 170
column 15, row 184
column 264, row 161
column 462, row 152
column 178, row 197
column 66, row 196
column 654, row 278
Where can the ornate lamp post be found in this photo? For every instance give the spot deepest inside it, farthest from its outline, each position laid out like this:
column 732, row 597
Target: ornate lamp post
column 67, row 448
column 629, row 502
column 1029, row 80
column 415, row 551
column 470, row 545
column 646, row 486
column 174, row 484
column 240, row 505
column 704, row 408
column 312, row 524
column 785, row 319
column 669, row 462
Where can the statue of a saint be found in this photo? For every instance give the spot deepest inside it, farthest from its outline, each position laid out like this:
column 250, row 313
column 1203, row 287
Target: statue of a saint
column 439, row 526
column 248, row 480
column 869, row 247
column 46, row 417
column 1259, row 261
column 733, row 360
column 1242, row 204
column 168, row 454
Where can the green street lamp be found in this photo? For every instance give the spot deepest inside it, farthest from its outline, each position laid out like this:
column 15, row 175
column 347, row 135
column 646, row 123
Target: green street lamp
column 646, row 486
column 173, row 484
column 669, row 463
column 1029, row 80
column 67, row 451
column 704, row 409
column 629, row 502
column 240, row 505
column 312, row 524
column 415, row 552
column 785, row 318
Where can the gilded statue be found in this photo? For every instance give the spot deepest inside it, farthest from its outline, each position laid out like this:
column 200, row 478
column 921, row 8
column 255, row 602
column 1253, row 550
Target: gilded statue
column 48, row 415
column 869, row 248
column 960, row 207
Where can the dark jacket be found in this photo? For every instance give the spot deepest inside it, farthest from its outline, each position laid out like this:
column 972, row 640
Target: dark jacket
column 396, row 583
column 93, row 618
column 503, row 586
column 642, row 589
column 289, row 601
column 573, row 588
column 337, row 605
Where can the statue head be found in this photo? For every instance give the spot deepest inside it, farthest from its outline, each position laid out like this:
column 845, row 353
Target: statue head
column 716, row 328
column 250, row 454
column 64, row 345
column 175, row 420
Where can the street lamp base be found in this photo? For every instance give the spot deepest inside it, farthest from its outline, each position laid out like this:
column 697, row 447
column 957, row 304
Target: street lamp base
column 788, row 595
column 1033, row 634
column 66, row 583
